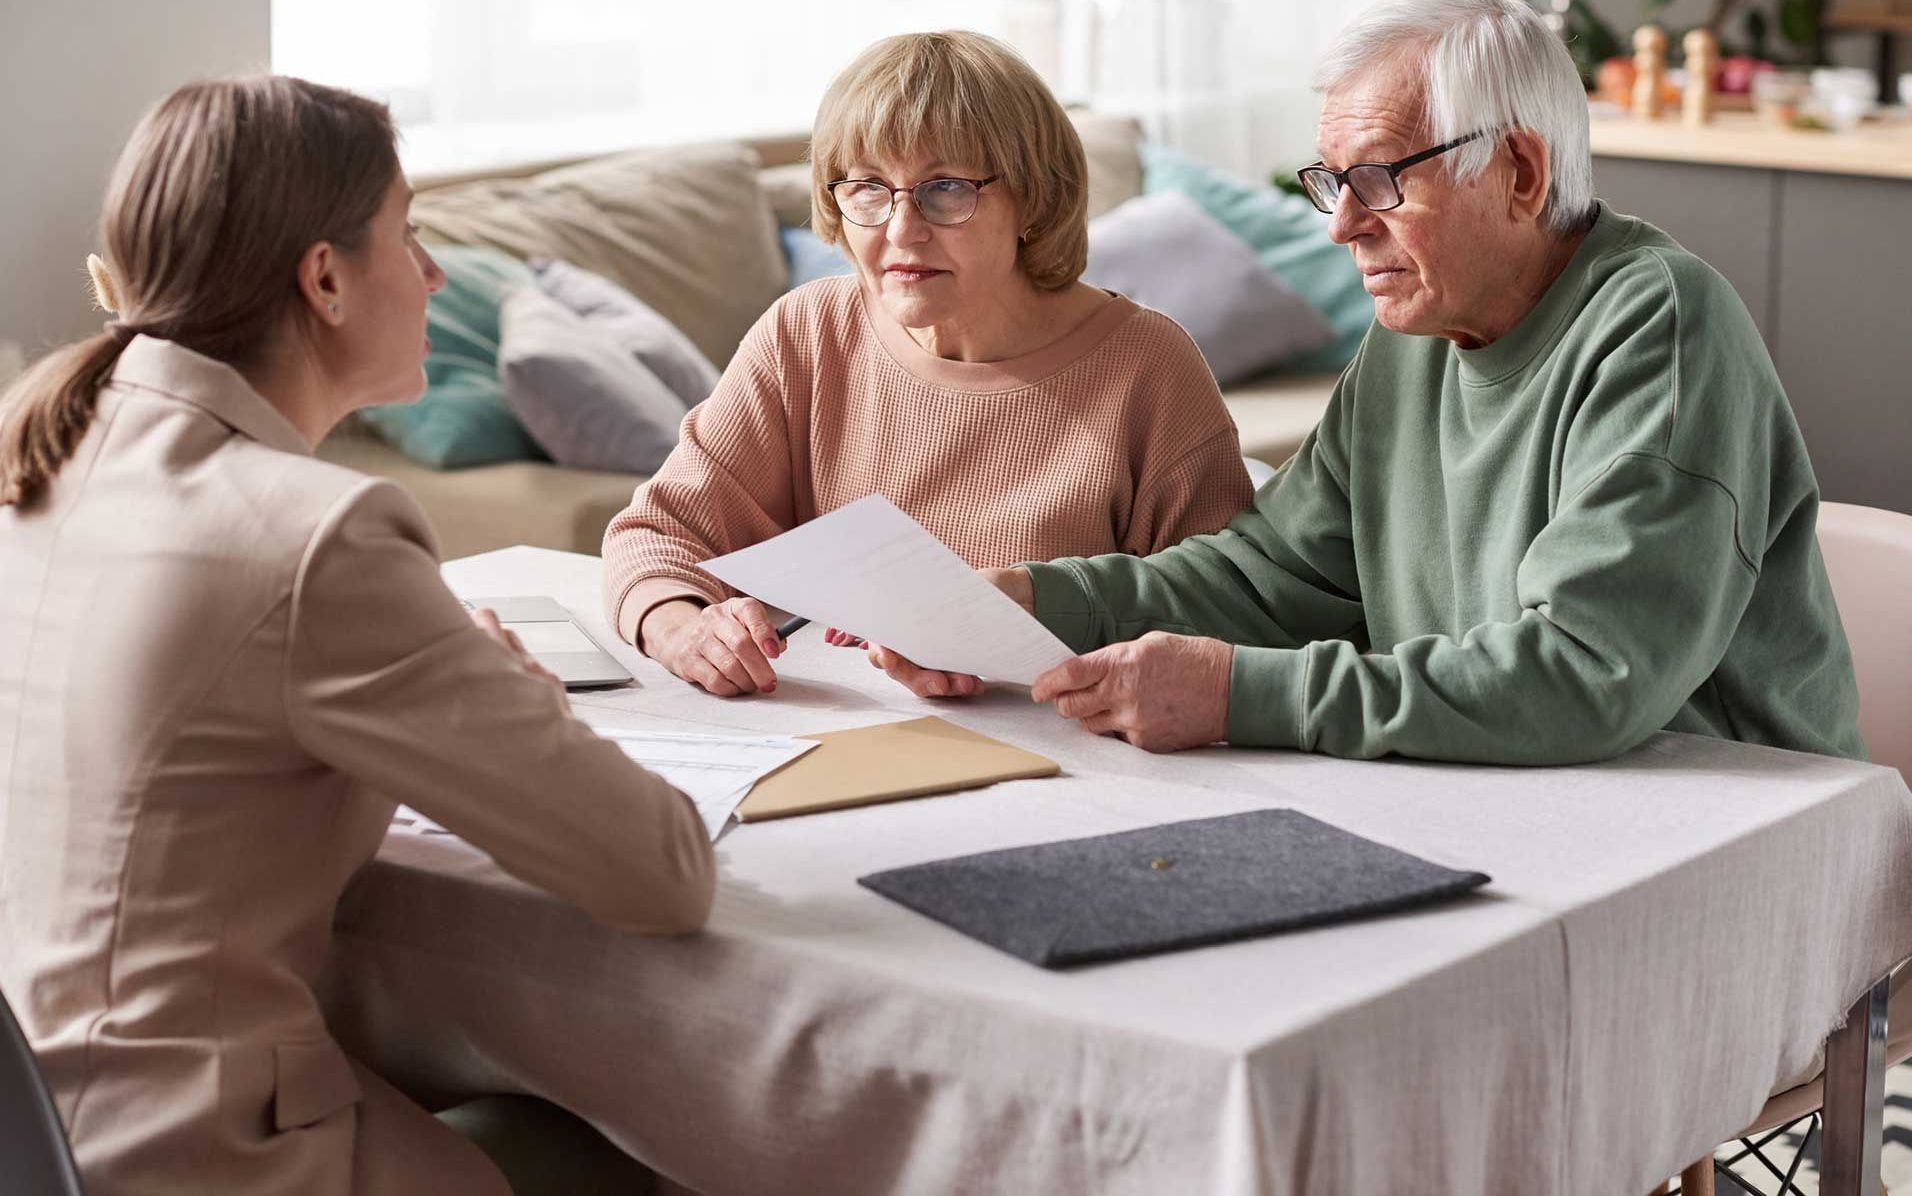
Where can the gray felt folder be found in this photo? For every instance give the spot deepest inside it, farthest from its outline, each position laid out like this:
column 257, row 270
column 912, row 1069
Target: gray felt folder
column 1184, row 884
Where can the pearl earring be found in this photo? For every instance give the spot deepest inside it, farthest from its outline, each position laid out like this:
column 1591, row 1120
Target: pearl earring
column 334, row 309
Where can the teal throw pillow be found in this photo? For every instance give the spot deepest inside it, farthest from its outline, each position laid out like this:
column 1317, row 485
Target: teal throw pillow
column 810, row 259
column 1289, row 237
column 462, row 419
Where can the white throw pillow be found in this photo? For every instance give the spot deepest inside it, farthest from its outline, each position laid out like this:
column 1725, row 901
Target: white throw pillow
column 638, row 330
column 586, row 400
column 1163, row 251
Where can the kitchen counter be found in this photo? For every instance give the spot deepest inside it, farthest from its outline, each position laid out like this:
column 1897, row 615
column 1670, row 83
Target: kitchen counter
column 1879, row 149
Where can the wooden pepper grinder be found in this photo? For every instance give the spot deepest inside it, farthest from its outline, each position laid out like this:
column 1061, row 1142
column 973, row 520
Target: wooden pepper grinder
column 1702, row 59
column 1649, row 71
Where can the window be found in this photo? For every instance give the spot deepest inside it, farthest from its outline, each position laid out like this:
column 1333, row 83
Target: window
column 478, row 83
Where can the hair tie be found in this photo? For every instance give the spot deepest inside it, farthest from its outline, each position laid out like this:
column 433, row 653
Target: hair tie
column 123, row 333
column 105, row 293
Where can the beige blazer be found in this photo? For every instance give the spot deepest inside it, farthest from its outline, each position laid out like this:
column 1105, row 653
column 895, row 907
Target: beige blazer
column 221, row 663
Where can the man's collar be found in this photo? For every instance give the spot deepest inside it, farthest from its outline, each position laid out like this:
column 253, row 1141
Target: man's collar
column 1539, row 328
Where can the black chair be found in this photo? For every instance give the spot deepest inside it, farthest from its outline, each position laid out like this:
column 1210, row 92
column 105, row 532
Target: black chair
column 34, row 1158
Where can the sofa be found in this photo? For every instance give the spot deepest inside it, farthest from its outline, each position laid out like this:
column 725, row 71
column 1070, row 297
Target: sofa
column 638, row 218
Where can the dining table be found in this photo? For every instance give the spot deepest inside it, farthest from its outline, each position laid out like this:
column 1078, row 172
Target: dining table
column 1666, row 938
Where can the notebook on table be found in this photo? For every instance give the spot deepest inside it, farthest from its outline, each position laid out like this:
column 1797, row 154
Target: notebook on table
column 550, row 634
column 1162, row 888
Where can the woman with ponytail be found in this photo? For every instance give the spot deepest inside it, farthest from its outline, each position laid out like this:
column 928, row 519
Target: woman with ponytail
column 222, row 661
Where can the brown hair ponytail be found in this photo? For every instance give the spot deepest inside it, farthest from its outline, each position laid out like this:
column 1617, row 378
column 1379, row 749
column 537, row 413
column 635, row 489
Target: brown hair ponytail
column 219, row 191
column 47, row 410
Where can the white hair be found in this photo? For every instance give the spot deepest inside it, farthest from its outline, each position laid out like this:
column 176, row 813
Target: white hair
column 1490, row 66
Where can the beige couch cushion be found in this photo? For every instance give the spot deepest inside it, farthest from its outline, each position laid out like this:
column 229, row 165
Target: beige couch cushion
column 1113, row 146
column 495, row 506
column 1274, row 414
column 685, row 229
column 787, row 188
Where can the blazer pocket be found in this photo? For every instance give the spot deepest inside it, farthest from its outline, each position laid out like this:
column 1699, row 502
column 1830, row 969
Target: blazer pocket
column 312, row 1081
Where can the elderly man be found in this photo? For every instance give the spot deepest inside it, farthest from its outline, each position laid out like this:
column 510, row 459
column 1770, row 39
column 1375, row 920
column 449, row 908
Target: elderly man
column 1557, row 503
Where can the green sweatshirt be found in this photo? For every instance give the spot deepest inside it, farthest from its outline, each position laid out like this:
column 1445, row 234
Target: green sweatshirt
column 1536, row 552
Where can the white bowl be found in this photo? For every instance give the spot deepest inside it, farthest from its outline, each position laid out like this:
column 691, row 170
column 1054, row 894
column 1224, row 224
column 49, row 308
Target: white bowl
column 1845, row 81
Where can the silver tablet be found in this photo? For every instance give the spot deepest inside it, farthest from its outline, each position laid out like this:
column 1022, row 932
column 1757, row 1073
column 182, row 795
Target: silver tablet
column 554, row 637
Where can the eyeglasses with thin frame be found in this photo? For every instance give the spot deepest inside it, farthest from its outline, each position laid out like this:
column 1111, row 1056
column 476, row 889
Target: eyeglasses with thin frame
column 1376, row 184
column 941, row 201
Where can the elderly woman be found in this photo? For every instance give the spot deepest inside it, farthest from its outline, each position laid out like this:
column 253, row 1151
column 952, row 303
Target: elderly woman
column 1558, row 501
column 964, row 371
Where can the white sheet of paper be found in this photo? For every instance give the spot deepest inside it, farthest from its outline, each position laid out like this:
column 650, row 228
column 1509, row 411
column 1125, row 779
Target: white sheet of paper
column 870, row 570
column 406, row 816
column 714, row 771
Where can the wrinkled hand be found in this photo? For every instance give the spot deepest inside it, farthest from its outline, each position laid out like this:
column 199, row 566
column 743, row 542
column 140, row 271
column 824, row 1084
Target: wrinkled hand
column 726, row 648
column 924, row 683
column 487, row 621
column 1162, row 692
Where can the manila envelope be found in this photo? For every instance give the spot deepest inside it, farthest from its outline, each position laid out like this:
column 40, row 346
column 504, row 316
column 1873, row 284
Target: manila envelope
column 866, row 765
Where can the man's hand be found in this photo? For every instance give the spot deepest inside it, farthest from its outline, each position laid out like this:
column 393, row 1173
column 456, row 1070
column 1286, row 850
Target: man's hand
column 726, row 648
column 1162, row 692
column 487, row 621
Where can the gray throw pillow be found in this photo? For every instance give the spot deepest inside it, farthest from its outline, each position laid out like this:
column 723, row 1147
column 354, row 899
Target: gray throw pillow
column 1163, row 251
column 632, row 324
column 585, row 399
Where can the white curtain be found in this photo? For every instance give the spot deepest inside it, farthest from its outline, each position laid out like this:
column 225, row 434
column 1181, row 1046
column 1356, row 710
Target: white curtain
column 1226, row 81
column 479, row 82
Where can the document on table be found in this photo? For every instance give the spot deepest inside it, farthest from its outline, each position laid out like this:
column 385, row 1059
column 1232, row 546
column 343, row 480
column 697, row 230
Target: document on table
column 872, row 571
column 714, row 771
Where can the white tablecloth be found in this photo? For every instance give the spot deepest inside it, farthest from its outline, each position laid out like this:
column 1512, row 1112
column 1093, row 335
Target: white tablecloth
column 1666, row 937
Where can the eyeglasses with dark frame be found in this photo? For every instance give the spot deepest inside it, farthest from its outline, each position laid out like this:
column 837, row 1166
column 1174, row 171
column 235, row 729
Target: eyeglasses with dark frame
column 941, row 201
column 1376, row 184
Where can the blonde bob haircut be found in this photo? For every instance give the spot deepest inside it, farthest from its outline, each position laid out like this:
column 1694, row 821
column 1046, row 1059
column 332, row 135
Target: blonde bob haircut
column 961, row 97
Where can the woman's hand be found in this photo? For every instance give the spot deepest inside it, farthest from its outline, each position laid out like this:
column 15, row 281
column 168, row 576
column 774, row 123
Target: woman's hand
column 487, row 622
column 924, row 683
column 726, row 648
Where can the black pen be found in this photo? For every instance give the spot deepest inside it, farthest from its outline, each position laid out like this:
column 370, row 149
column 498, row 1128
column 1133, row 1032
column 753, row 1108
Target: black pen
column 791, row 626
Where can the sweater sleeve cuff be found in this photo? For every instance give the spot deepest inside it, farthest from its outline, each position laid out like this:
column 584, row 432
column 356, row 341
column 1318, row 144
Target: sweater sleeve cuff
column 1063, row 605
column 1266, row 689
column 641, row 597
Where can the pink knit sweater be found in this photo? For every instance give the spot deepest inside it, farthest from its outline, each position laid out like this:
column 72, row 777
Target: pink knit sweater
column 1111, row 439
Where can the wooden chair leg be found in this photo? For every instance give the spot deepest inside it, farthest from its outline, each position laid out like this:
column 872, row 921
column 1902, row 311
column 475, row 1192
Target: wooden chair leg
column 1697, row 1179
